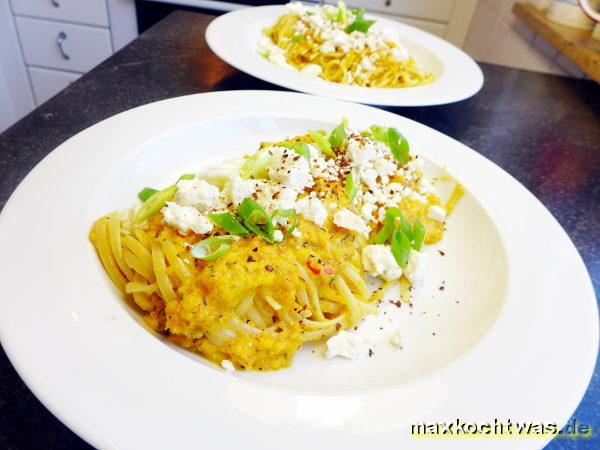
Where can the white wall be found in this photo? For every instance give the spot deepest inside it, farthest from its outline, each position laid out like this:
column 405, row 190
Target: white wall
column 497, row 36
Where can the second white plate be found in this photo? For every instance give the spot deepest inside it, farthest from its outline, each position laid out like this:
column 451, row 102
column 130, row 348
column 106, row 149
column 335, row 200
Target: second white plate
column 234, row 37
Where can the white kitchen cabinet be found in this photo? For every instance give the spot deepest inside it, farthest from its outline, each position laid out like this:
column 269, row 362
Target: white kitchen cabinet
column 76, row 11
column 435, row 10
column 47, row 44
column 47, row 83
column 437, row 28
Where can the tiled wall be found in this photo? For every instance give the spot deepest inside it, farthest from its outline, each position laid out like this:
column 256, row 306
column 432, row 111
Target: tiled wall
column 497, row 36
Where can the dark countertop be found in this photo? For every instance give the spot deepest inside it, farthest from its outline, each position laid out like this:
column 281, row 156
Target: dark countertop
column 542, row 129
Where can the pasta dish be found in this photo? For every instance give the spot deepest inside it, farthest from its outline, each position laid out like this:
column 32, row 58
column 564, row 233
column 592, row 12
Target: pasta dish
column 341, row 46
column 246, row 261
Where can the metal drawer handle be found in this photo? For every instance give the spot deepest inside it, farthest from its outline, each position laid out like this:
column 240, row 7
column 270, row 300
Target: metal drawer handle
column 60, row 40
column 55, row 3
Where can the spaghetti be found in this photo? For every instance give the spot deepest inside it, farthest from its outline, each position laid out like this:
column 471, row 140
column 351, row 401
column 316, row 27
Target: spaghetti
column 262, row 279
column 340, row 46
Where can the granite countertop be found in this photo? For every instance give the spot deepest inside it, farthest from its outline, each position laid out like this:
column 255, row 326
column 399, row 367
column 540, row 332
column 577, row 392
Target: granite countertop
column 542, row 129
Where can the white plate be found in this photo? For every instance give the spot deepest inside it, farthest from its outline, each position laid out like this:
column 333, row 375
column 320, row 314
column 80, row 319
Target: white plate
column 234, row 37
column 527, row 324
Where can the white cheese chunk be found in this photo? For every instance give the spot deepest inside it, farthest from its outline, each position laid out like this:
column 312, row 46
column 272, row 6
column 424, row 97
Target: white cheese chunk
column 415, row 269
column 322, row 167
column 311, row 70
column 312, row 209
column 437, row 213
column 290, row 169
column 238, row 189
column 379, row 261
column 186, row 218
column 199, row 194
column 344, row 344
column 228, row 365
column 277, row 236
column 396, row 339
column 347, row 219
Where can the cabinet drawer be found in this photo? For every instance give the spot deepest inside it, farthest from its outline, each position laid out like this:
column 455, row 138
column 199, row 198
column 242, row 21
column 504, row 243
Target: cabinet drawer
column 82, row 47
column 439, row 29
column 47, row 83
column 92, row 12
column 437, row 10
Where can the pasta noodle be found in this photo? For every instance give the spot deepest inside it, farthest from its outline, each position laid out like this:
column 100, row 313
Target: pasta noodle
column 163, row 277
column 299, row 40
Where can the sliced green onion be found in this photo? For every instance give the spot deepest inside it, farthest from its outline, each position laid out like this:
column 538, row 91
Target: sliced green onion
column 401, row 248
column 256, row 219
column 380, row 133
column 398, row 145
column 229, row 223
column 418, row 235
column 352, row 184
column 155, row 203
column 360, row 23
column 146, row 193
column 212, row 248
column 342, row 15
column 331, row 16
column 257, row 165
column 338, row 136
column 321, row 142
column 394, row 140
column 389, row 225
column 187, row 176
column 291, row 217
column 300, row 147
column 382, row 235
column 297, row 37
column 366, row 133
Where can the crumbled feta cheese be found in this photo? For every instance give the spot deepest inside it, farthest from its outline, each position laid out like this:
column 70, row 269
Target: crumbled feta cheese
column 360, row 152
column 199, row 194
column 344, row 344
column 228, row 365
column 367, row 64
column 327, row 47
column 296, row 233
column 275, row 196
column 437, row 213
column 320, row 166
column 379, row 261
column 186, row 218
column 385, row 167
column 396, row 339
column 366, row 211
column 290, row 169
column 277, row 236
column 239, row 189
column 312, row 209
column 311, row 70
column 347, row 219
column 414, row 270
